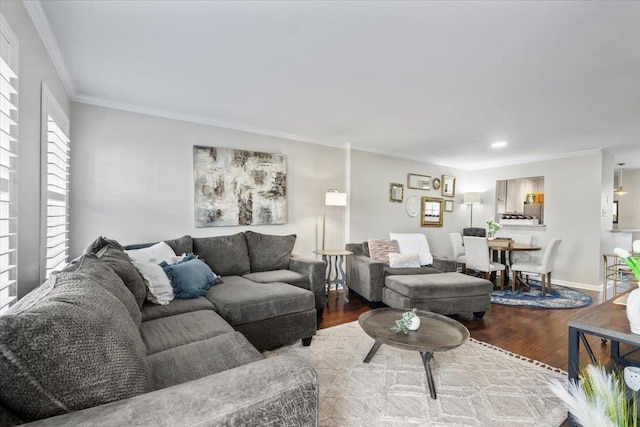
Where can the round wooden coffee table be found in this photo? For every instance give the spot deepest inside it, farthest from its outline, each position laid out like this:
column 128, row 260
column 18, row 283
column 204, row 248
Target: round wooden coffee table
column 436, row 333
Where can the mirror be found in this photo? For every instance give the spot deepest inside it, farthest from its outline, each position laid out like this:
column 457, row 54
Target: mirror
column 418, row 182
column 431, row 213
column 520, row 201
column 396, row 192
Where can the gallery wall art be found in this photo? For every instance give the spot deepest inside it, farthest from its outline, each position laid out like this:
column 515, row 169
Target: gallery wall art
column 239, row 187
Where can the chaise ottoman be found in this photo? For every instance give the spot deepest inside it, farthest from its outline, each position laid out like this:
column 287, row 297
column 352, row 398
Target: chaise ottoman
column 443, row 293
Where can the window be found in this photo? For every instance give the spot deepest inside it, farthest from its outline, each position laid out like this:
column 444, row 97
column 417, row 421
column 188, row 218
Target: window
column 55, row 185
column 8, row 166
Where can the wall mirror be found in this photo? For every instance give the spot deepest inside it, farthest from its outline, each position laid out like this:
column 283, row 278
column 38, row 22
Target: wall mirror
column 396, row 192
column 418, row 182
column 431, row 212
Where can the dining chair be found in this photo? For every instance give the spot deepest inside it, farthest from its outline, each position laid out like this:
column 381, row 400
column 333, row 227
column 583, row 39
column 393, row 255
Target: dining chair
column 458, row 250
column 521, row 256
column 542, row 268
column 474, row 231
column 477, row 256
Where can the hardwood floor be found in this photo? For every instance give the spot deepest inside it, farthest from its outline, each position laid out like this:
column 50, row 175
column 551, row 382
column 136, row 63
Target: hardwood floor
column 539, row 334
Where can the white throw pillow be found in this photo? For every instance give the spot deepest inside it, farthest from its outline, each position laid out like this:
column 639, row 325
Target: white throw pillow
column 156, row 254
column 414, row 243
column 404, row 260
column 159, row 289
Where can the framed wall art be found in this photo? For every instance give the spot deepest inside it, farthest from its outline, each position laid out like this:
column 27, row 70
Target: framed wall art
column 396, row 192
column 448, row 205
column 431, row 212
column 238, row 187
column 418, row 182
column 448, row 186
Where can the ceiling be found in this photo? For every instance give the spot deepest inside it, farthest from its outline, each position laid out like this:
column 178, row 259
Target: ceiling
column 431, row 81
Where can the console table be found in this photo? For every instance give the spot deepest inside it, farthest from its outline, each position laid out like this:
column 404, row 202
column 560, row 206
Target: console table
column 607, row 321
column 335, row 271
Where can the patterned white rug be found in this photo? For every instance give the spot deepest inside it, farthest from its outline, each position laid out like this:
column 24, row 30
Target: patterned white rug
column 477, row 384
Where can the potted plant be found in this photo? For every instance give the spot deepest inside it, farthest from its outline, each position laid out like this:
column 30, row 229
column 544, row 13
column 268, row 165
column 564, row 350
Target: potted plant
column 492, row 228
column 598, row 399
column 409, row 321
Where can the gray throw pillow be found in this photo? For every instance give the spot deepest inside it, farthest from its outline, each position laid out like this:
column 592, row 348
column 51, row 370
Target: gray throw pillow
column 100, row 243
column 68, row 345
column 268, row 252
column 121, row 264
column 225, row 255
column 94, row 270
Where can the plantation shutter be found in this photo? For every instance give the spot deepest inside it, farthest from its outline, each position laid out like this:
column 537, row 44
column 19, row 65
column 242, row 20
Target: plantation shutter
column 56, row 184
column 8, row 167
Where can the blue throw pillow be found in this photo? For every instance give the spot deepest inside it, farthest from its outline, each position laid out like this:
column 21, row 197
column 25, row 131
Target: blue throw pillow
column 190, row 278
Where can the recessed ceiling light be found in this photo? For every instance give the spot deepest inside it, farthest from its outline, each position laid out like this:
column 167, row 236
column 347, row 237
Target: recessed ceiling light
column 499, row 144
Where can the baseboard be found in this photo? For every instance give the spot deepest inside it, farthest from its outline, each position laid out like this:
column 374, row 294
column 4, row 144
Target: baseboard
column 576, row 285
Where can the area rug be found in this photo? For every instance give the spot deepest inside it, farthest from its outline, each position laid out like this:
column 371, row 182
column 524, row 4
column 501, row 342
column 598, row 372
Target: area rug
column 477, row 384
column 559, row 297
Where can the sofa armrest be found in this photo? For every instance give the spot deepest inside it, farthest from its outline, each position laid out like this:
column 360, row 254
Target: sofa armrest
column 315, row 270
column 281, row 390
column 445, row 265
column 365, row 276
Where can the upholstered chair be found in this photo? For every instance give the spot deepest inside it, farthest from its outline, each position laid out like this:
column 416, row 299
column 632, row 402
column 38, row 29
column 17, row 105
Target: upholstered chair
column 542, row 268
column 458, row 250
column 474, row 231
column 477, row 256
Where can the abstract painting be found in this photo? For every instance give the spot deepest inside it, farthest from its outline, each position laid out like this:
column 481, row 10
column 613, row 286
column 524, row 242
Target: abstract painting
column 239, row 187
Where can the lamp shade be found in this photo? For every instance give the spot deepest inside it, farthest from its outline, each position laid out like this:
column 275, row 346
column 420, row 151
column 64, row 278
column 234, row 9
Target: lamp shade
column 470, row 198
column 335, row 198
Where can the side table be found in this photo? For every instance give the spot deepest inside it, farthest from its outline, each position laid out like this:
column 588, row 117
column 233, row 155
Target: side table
column 335, row 271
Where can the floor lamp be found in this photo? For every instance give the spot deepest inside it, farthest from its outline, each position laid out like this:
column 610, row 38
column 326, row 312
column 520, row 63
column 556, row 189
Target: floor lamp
column 470, row 199
column 331, row 198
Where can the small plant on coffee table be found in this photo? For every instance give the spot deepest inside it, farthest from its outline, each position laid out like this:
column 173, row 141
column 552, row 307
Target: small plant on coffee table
column 402, row 324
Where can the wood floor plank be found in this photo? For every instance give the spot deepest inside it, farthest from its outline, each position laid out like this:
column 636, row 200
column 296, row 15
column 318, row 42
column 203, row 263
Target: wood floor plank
column 536, row 333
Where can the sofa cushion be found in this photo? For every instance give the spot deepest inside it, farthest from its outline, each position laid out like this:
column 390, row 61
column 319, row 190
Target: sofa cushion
column 201, row 358
column 286, row 276
column 381, row 248
column 152, row 311
column 94, row 270
column 190, row 279
column 121, row 264
column 181, row 245
column 168, row 332
column 389, row 271
column 239, row 300
column 226, row 255
column 443, row 285
column 67, row 345
column 268, row 252
column 101, row 242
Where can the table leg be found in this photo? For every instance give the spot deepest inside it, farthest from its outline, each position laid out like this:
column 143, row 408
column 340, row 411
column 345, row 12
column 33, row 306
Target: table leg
column 343, row 279
column 574, row 361
column 327, row 280
column 426, row 361
column 372, row 352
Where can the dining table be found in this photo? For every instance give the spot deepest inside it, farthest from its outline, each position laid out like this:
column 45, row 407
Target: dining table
column 503, row 250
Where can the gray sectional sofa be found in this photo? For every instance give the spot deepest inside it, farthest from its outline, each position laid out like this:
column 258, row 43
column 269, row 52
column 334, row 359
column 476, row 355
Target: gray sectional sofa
column 87, row 348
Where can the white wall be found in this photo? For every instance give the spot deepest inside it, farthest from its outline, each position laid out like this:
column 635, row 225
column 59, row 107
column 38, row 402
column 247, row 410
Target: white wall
column 572, row 210
column 35, row 66
column 132, row 179
column 572, row 206
column 629, row 204
column 374, row 216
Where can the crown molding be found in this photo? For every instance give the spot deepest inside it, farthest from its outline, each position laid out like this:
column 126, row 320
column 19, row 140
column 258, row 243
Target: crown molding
column 203, row 120
column 39, row 19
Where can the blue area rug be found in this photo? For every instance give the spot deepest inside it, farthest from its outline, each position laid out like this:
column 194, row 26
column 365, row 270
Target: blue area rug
column 560, row 297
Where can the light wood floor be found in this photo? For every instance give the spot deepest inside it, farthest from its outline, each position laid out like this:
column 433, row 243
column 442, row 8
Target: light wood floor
column 539, row 334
